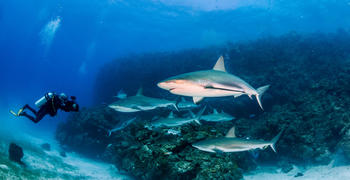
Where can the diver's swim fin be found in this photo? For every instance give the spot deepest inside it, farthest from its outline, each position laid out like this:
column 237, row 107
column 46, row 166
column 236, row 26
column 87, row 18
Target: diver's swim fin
column 18, row 113
column 13, row 113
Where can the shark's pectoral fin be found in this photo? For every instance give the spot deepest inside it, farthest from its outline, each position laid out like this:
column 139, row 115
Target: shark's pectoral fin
column 137, row 108
column 218, row 151
column 197, row 99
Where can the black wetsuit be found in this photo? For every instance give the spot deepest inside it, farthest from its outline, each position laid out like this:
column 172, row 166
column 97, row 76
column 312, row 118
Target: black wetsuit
column 50, row 107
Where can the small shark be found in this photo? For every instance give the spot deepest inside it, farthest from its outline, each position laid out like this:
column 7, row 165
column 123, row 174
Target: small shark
column 230, row 143
column 211, row 83
column 216, row 116
column 140, row 102
column 121, row 95
column 121, row 126
column 183, row 104
column 172, row 121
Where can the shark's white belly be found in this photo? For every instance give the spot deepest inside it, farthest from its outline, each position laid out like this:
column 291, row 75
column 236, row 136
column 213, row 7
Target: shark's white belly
column 240, row 148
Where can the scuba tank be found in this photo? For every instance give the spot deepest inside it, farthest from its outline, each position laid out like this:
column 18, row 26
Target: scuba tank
column 43, row 99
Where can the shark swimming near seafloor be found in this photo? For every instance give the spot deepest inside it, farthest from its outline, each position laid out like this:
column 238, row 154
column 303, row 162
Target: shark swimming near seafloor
column 121, row 126
column 217, row 116
column 139, row 102
column 172, row 121
column 230, row 143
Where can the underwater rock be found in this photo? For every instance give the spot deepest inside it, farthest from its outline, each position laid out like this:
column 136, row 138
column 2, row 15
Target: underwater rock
column 287, row 167
column 16, row 153
column 46, row 147
column 63, row 154
column 299, row 174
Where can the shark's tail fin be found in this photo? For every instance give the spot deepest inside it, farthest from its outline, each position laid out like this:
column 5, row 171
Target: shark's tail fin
column 275, row 139
column 260, row 91
column 199, row 115
column 109, row 133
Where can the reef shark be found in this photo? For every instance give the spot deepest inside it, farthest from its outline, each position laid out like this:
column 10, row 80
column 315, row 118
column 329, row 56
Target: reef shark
column 216, row 116
column 140, row 102
column 211, row 83
column 172, row 121
column 183, row 104
column 230, row 143
column 121, row 126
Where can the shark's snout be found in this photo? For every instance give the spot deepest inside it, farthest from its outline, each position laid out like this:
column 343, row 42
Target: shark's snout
column 163, row 85
column 168, row 84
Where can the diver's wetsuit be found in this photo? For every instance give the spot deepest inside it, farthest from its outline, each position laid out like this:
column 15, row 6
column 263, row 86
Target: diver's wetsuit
column 51, row 107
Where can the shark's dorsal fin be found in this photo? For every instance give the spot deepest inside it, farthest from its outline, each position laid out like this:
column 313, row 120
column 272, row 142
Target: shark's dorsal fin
column 183, row 99
column 139, row 92
column 197, row 99
column 121, row 94
column 215, row 111
column 220, row 65
column 171, row 114
column 231, row 133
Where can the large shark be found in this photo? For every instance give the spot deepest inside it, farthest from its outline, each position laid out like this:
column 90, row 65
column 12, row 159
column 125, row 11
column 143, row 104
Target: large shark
column 120, row 126
column 140, row 102
column 230, row 143
column 183, row 104
column 217, row 116
column 211, row 83
column 172, row 121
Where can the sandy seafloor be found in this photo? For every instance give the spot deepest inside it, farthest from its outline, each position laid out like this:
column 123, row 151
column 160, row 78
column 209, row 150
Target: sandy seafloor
column 40, row 164
column 328, row 172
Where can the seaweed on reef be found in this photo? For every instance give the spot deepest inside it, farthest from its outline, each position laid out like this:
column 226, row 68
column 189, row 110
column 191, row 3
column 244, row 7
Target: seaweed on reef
column 309, row 96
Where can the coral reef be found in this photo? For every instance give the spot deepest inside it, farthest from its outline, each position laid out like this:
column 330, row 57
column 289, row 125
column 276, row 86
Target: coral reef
column 309, row 97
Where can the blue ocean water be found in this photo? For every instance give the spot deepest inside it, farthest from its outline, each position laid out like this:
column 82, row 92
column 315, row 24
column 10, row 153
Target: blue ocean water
column 61, row 45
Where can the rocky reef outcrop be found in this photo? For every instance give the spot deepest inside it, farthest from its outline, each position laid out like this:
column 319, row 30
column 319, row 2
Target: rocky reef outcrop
column 309, row 97
column 16, row 153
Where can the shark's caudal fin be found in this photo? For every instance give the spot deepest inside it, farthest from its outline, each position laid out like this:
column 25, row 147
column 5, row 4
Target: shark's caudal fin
column 109, row 133
column 275, row 139
column 260, row 91
column 199, row 115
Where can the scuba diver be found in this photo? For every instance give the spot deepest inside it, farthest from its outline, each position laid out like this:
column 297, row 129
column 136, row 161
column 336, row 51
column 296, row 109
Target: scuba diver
column 49, row 104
